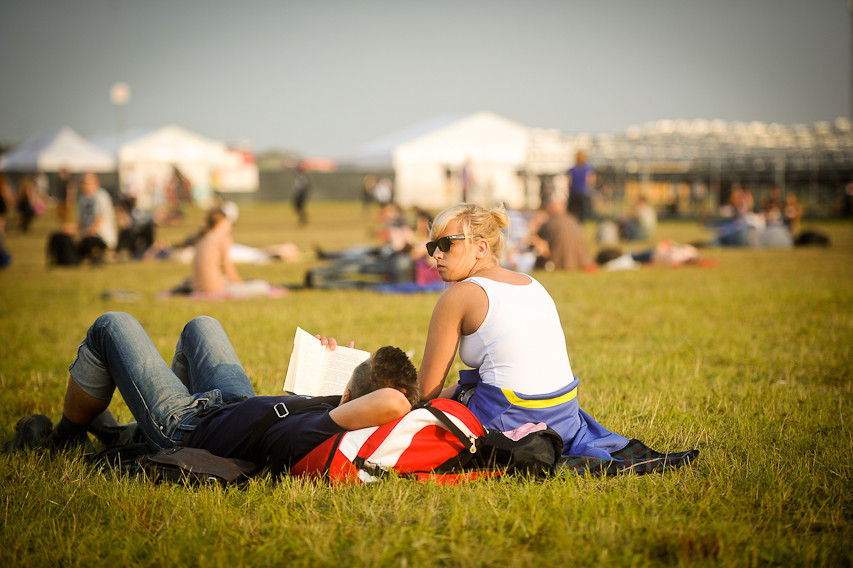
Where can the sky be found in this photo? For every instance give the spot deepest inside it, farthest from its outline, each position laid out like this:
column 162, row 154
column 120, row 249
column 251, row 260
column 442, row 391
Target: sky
column 325, row 78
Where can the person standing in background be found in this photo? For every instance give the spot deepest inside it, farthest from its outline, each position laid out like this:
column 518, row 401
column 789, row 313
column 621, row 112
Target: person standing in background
column 467, row 180
column 5, row 199
column 25, row 203
column 301, row 185
column 368, row 184
column 383, row 193
column 581, row 182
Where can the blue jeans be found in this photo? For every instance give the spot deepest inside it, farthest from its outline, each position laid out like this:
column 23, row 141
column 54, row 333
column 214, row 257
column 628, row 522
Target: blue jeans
column 205, row 373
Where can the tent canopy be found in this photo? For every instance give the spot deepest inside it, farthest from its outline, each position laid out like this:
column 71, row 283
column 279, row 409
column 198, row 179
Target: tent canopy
column 481, row 137
column 173, row 144
column 493, row 149
column 57, row 149
column 151, row 158
column 378, row 153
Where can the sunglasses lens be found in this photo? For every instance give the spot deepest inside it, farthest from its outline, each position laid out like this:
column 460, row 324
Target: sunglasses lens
column 443, row 244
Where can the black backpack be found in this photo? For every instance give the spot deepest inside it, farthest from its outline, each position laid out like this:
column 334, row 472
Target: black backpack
column 61, row 250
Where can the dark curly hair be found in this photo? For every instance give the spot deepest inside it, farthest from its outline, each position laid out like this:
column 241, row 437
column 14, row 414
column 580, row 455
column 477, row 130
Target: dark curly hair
column 387, row 367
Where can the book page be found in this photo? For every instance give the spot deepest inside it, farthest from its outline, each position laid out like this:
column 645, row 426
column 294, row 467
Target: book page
column 316, row 370
column 307, row 354
column 307, row 369
column 337, row 368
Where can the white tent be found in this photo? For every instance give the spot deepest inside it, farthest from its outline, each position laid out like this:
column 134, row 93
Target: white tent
column 428, row 167
column 173, row 144
column 57, row 149
column 148, row 161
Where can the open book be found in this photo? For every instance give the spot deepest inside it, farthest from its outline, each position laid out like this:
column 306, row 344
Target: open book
column 316, row 370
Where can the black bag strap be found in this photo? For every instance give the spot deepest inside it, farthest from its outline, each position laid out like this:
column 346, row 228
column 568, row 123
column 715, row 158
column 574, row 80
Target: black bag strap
column 334, row 450
column 450, row 425
column 281, row 411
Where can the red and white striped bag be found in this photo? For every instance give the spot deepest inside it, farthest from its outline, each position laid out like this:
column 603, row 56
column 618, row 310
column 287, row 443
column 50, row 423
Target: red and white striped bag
column 436, row 441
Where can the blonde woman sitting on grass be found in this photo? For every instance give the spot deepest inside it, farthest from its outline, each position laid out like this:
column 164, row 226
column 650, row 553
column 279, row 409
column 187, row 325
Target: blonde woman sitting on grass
column 505, row 326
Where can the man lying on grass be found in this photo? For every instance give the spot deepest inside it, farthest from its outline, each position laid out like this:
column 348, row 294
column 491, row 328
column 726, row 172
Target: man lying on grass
column 205, row 400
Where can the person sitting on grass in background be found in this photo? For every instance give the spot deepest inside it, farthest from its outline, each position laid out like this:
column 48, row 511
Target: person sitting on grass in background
column 214, row 273
column 96, row 220
column 640, row 223
column 560, row 239
column 506, row 327
column 205, row 399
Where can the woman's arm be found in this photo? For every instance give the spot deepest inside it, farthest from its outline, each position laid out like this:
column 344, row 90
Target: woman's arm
column 445, row 329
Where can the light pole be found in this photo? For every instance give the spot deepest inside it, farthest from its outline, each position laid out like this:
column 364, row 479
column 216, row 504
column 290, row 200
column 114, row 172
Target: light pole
column 119, row 95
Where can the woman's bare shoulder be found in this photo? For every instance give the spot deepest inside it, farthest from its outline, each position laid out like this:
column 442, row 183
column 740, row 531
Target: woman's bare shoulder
column 506, row 276
column 461, row 293
column 458, row 289
column 518, row 278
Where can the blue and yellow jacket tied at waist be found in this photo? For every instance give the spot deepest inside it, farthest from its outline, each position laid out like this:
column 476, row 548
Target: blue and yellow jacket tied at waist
column 505, row 410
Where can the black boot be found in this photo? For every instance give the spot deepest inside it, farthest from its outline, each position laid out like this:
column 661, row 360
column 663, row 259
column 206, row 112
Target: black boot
column 70, row 436
column 31, row 431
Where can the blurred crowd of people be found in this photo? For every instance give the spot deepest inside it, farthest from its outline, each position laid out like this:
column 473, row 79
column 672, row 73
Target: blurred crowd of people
column 772, row 222
column 93, row 227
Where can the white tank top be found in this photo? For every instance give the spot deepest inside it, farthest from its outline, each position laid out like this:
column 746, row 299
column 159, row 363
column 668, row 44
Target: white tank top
column 520, row 345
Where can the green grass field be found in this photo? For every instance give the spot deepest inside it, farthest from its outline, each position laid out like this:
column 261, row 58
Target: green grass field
column 750, row 362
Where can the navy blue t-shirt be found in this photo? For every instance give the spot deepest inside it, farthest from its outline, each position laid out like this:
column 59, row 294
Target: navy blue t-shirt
column 226, row 431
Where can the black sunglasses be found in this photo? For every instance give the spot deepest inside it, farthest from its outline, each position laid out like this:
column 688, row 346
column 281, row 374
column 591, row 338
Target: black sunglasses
column 443, row 244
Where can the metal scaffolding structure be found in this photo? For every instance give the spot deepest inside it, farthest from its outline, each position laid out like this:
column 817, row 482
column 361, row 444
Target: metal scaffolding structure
column 814, row 161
